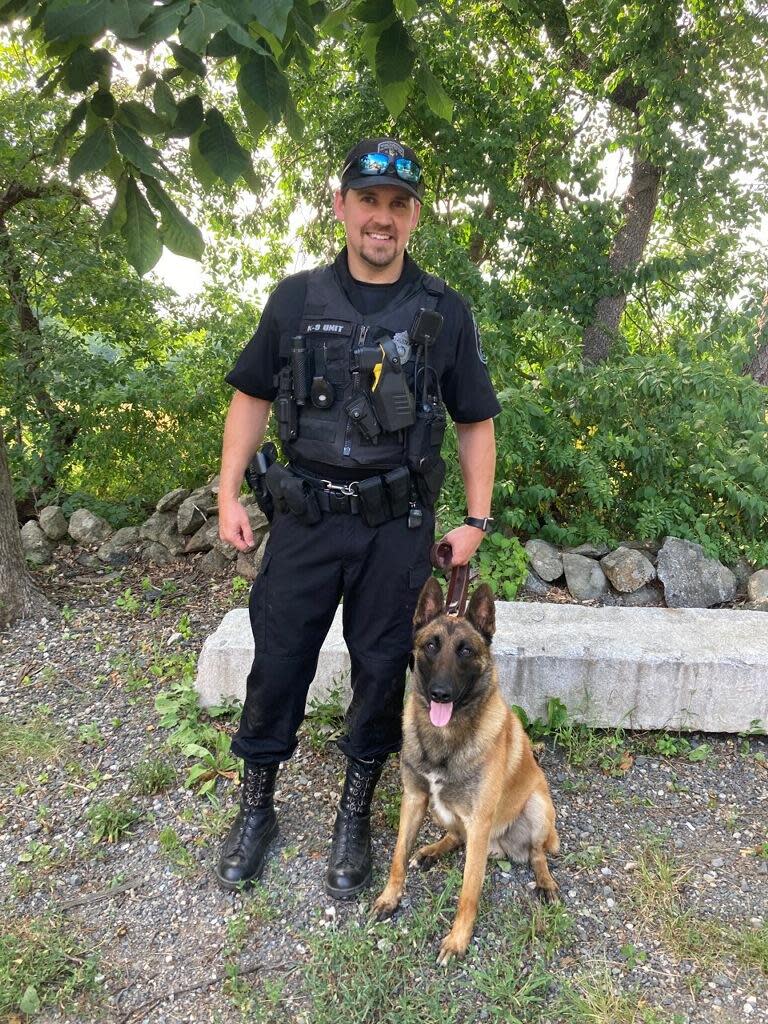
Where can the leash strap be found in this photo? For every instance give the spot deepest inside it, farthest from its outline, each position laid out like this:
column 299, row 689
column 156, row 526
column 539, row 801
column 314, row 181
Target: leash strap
column 458, row 584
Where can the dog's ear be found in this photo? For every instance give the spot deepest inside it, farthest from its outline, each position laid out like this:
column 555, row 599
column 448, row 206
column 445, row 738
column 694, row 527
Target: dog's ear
column 481, row 612
column 430, row 604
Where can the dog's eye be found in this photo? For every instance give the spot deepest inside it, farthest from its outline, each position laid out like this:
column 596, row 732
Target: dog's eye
column 465, row 652
column 431, row 646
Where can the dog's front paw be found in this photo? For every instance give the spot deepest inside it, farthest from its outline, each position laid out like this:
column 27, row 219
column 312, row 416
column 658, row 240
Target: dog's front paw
column 385, row 905
column 549, row 893
column 453, row 947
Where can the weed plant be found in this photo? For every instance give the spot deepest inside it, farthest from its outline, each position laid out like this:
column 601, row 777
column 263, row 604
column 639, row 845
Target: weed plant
column 111, row 820
column 43, row 963
column 152, row 776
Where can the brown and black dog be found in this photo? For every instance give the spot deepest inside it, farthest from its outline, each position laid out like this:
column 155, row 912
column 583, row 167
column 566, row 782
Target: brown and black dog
column 466, row 756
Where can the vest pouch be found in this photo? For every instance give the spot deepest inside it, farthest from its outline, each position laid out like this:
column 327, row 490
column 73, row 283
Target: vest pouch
column 360, row 411
column 398, row 485
column 428, row 483
column 425, row 437
column 374, row 502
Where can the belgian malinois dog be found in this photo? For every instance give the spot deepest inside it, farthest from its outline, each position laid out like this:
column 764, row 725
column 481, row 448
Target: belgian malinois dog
column 466, row 756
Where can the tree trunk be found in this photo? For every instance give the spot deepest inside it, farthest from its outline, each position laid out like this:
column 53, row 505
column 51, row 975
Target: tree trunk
column 757, row 367
column 19, row 597
column 62, row 428
column 638, row 208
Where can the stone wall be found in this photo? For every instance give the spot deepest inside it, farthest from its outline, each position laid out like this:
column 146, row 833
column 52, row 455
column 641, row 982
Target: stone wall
column 637, row 574
column 184, row 523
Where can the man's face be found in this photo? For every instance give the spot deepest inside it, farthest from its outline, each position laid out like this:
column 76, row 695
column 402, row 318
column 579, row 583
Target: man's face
column 378, row 222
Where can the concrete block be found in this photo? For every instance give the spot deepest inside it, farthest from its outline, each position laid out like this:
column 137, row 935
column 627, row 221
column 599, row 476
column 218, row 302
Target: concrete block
column 640, row 668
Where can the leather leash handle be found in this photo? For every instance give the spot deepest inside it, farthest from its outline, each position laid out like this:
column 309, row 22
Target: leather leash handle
column 458, row 585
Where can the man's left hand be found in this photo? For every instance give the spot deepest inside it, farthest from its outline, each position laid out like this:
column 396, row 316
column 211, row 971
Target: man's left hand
column 464, row 541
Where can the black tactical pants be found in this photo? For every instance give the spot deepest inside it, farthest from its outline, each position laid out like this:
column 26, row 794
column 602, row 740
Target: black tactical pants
column 378, row 572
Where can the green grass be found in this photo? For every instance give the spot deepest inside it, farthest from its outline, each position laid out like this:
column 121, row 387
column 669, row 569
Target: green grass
column 174, row 851
column 38, row 739
column 152, row 776
column 658, row 901
column 112, row 820
column 43, row 963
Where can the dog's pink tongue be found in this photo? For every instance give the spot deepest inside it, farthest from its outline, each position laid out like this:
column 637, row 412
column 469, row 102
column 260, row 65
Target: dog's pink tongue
column 440, row 714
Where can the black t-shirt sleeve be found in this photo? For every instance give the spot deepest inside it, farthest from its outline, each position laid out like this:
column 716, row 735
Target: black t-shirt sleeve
column 466, row 384
column 256, row 366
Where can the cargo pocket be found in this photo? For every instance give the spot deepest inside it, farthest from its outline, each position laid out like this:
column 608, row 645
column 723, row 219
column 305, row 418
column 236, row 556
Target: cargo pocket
column 257, row 605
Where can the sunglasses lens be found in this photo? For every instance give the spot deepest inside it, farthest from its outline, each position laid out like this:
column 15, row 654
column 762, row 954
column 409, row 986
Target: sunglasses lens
column 374, row 163
column 408, row 170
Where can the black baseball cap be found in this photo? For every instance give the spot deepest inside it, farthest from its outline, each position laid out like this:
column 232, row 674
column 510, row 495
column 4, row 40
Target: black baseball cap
column 383, row 161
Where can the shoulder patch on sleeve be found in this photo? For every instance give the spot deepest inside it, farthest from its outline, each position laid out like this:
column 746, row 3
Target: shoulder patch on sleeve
column 478, row 342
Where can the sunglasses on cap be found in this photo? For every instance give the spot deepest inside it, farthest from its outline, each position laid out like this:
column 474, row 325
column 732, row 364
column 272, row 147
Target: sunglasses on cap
column 380, row 163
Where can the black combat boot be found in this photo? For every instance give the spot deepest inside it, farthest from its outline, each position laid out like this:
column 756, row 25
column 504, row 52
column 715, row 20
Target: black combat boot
column 349, row 862
column 245, row 848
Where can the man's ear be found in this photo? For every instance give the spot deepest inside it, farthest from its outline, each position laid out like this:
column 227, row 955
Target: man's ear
column 338, row 205
column 481, row 612
column 430, row 604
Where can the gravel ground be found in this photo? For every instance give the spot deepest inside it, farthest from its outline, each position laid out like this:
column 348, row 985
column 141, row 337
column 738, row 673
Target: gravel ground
column 662, row 860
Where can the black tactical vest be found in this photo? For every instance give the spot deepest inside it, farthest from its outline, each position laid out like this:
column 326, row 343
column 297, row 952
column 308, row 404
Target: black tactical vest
column 333, row 329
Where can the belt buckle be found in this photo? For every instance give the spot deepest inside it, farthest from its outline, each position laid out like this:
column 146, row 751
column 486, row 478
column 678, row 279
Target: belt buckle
column 346, row 489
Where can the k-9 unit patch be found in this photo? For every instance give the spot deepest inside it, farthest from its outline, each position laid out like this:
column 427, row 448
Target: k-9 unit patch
column 326, row 327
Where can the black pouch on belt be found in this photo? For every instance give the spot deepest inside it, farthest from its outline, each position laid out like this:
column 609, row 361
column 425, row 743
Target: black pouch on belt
column 428, row 483
column 301, row 499
column 374, row 503
column 274, row 478
column 398, row 484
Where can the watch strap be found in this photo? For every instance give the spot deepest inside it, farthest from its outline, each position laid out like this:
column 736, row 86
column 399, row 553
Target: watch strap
column 487, row 525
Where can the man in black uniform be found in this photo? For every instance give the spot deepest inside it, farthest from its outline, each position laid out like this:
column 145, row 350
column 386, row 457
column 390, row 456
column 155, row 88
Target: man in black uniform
column 361, row 359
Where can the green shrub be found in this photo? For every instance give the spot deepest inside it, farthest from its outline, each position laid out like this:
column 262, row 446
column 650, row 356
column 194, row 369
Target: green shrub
column 639, row 447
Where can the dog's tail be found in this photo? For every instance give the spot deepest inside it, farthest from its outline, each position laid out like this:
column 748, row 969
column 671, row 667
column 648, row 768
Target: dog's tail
column 552, row 842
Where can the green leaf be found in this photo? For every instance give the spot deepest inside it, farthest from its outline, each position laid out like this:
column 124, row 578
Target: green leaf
column 193, row 34
column 439, row 101
column 124, row 17
column 103, row 104
column 395, row 96
column 187, row 59
column 394, row 55
column 222, row 45
column 142, row 118
column 219, row 147
column 203, row 170
column 273, row 15
column 74, row 20
column 30, row 1001
column 161, row 23
column 189, row 117
column 86, row 66
column 262, row 82
column 73, row 123
column 245, row 39
column 165, row 102
column 117, row 214
column 407, row 9
column 135, row 149
column 372, row 11
column 144, row 246
column 179, row 234
column 92, row 154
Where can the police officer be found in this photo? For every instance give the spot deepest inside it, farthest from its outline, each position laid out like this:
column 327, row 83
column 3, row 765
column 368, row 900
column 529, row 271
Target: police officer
column 360, row 359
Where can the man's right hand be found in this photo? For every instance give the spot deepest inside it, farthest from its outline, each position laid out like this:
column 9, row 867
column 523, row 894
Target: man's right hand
column 234, row 526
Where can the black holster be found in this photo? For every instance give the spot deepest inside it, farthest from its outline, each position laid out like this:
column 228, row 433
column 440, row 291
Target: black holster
column 255, row 475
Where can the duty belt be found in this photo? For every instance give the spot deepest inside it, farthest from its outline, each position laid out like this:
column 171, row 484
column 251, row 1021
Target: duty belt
column 333, row 497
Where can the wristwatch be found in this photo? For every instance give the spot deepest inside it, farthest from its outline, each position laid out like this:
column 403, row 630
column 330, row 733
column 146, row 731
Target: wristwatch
column 487, row 525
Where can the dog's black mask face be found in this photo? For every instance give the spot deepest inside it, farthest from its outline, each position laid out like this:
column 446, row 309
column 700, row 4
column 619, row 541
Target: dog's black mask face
column 452, row 654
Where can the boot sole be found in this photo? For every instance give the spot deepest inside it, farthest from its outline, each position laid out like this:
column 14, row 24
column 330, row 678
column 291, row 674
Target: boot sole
column 348, row 894
column 246, row 883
